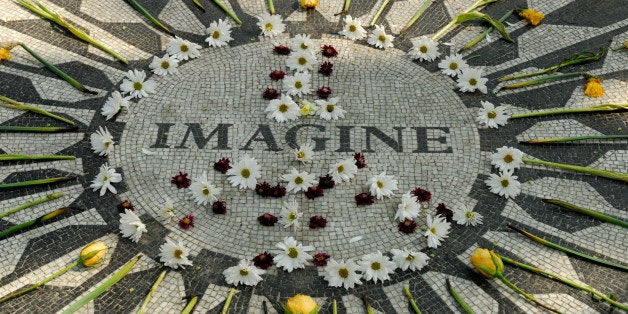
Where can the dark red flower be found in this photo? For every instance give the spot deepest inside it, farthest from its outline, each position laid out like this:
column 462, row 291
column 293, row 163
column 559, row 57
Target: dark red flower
column 326, row 182
column 281, row 50
column 326, row 68
column 181, row 180
column 317, row 221
column 323, row 92
column 222, row 165
column 219, row 207
column 407, row 226
column 447, row 213
column 422, row 195
column 320, row 259
column 126, row 204
column 270, row 93
column 267, row 219
column 263, row 189
column 277, row 75
column 329, row 51
column 263, row 260
column 364, row 199
column 313, row 192
column 187, row 222
column 359, row 160
column 278, row 191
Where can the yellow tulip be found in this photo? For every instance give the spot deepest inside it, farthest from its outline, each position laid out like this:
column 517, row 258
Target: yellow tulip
column 534, row 17
column 301, row 304
column 593, row 87
column 487, row 262
column 92, row 253
column 309, row 4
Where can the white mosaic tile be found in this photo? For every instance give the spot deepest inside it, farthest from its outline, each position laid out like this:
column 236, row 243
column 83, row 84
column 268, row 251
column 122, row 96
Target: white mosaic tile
column 101, row 10
column 556, row 128
column 39, row 144
column 168, row 297
column 212, row 297
column 478, row 300
column 177, row 13
column 613, row 160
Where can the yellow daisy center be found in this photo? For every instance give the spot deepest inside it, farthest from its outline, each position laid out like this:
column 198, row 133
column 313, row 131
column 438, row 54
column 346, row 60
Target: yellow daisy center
column 268, row 27
column 283, row 108
column 304, row 46
column 453, row 66
column 343, row 273
column 244, row 272
column 410, row 257
column 245, row 173
column 178, row 253
column 473, row 82
column 376, row 266
column 423, row 49
column 433, row 230
column 491, row 114
column 301, row 154
column 165, row 64
column 293, row 253
column 205, row 191
column 137, row 86
column 505, row 183
column 216, row 34
column 340, row 169
column 470, row 215
column 508, row 158
column 302, row 61
column 184, row 47
column 382, row 38
column 329, row 108
column 298, row 180
column 292, row 216
column 353, row 28
column 380, row 184
column 298, row 84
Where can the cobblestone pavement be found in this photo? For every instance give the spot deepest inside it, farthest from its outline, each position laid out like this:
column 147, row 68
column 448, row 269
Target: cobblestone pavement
column 406, row 117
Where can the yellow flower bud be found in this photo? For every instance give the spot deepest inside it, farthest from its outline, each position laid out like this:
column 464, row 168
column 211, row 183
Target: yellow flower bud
column 92, row 253
column 487, row 262
column 626, row 44
column 5, row 54
column 593, row 87
column 309, row 4
column 301, row 304
column 533, row 17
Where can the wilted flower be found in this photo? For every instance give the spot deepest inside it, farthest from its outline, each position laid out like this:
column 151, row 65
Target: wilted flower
column 360, row 162
column 320, row 259
column 263, row 189
column 186, row 222
column 329, row 51
column 317, row 221
column 323, row 92
column 364, row 199
column 270, row 94
column 593, row 87
column 326, row 68
column 326, row 182
column 281, row 50
column 442, row 210
column 532, row 16
column 278, row 191
column 222, row 165
column 407, row 226
column 93, row 253
column 219, row 207
column 263, row 260
column 313, row 192
column 277, row 75
column 181, row 180
column 126, row 204
column 422, row 195
column 267, row 219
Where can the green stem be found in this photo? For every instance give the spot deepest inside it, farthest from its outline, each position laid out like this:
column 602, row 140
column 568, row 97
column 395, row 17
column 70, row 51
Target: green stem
column 36, row 129
column 345, row 8
column 408, row 294
column 41, row 283
column 598, row 108
column 60, row 73
column 588, row 212
column 190, row 306
column 225, row 308
column 593, row 171
column 18, row 157
column 20, row 106
column 367, row 305
column 567, row 250
column 149, row 16
column 525, row 295
column 379, row 12
column 27, row 224
column 565, row 281
column 458, row 298
column 271, row 6
column 44, row 199
column 543, row 80
column 231, row 14
column 199, row 5
column 152, row 290
column 577, row 58
column 103, row 287
column 334, row 307
column 453, row 22
column 486, row 32
column 416, row 16
column 575, row 138
column 35, row 182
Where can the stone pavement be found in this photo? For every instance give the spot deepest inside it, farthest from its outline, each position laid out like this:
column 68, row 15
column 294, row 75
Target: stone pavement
column 404, row 115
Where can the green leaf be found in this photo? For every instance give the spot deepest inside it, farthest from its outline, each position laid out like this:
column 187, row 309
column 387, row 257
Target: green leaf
column 475, row 15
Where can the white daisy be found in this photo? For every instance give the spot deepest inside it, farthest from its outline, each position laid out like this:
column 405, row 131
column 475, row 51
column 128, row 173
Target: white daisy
column 106, row 176
column 271, row 25
column 301, row 61
column 380, row 39
column 409, row 207
column 167, row 211
column 245, row 173
column 283, row 109
column 453, row 65
column 203, row 191
column 135, row 84
column 290, row 214
column 492, row 116
column 245, row 273
column 297, row 85
column 183, row 49
column 382, row 185
column 437, row 230
column 298, row 181
column 467, row 217
column 302, row 43
column 344, row 170
column 471, row 79
column 131, row 226
column 353, row 29
column 504, row 184
column 330, row 110
column 406, row 259
column 219, row 33
column 174, row 254
column 424, row 49
column 102, row 142
column 507, row 158
column 293, row 255
column 342, row 274
column 164, row 65
column 113, row 104
column 304, row 153
column 376, row 266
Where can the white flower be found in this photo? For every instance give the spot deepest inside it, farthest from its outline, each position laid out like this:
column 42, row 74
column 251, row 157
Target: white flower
column 290, row 214
column 165, row 65
column 292, row 255
column 135, row 85
column 353, row 29
column 437, row 230
column 409, row 207
column 304, row 153
column 342, row 274
column 344, row 170
column 245, row 273
column 283, row 109
column 302, row 43
column 453, row 65
column 467, row 217
column 507, row 158
column 131, row 226
column 298, row 181
column 219, row 33
column 203, row 191
column 245, row 173
column 174, row 254
column 183, row 49
column 167, row 211
column 376, row 266
column 102, row 142
column 406, row 259
column 330, row 110
column 113, row 104
column 379, row 38
column 301, row 61
column 492, row 116
column 104, row 179
column 271, row 25
column 307, row 108
column 297, row 85
column 424, row 49
column 382, row 185
column 471, row 79
column 504, row 184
